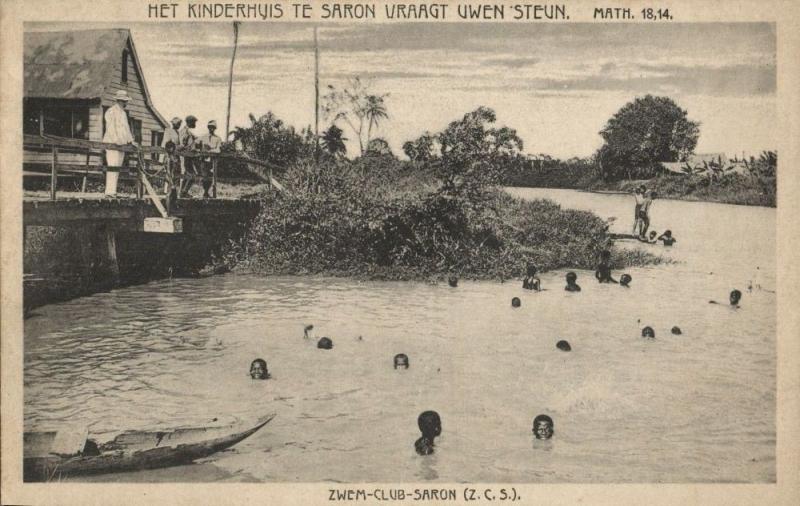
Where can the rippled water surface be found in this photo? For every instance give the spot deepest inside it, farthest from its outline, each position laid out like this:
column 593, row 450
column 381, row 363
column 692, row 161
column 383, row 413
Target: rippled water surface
column 699, row 407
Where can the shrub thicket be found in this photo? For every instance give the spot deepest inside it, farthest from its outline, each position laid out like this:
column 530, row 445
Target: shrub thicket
column 342, row 220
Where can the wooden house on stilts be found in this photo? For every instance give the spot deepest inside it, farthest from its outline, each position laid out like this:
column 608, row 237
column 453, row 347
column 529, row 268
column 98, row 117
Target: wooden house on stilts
column 70, row 79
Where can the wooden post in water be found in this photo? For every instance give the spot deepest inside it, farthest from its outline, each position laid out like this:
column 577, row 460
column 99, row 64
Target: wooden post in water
column 88, row 160
column 113, row 263
column 85, row 241
column 54, row 174
column 214, row 177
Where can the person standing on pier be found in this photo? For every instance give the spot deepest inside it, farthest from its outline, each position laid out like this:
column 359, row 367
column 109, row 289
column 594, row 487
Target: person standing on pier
column 118, row 131
column 187, row 138
column 172, row 135
column 212, row 144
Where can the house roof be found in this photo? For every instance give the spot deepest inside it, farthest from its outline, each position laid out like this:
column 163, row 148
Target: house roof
column 699, row 158
column 695, row 161
column 76, row 64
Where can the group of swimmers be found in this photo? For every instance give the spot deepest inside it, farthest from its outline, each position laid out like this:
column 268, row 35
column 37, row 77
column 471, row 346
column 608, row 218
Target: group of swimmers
column 429, row 422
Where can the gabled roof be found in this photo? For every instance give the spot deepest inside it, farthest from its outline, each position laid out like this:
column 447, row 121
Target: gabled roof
column 76, row 64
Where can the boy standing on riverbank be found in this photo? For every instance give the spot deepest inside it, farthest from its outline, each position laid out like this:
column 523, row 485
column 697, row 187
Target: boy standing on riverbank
column 644, row 215
column 638, row 195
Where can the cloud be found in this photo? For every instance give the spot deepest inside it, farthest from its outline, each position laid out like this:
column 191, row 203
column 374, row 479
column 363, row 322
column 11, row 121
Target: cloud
column 513, row 62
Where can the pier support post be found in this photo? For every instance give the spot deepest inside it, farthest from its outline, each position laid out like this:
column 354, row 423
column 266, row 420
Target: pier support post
column 214, row 177
column 113, row 263
column 85, row 239
column 54, row 174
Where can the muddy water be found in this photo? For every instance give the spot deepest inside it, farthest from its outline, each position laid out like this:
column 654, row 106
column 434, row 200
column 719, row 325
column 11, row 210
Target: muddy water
column 699, row 407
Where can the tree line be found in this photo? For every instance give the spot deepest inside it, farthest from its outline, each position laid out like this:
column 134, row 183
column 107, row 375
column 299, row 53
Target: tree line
column 473, row 151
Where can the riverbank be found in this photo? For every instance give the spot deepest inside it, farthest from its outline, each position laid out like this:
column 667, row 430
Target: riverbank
column 741, row 189
column 733, row 189
column 406, row 228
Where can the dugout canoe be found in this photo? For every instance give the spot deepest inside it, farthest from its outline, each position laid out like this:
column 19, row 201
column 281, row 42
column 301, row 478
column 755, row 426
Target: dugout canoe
column 54, row 455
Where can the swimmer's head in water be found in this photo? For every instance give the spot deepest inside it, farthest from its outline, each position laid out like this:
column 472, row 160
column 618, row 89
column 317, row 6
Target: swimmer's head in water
column 563, row 346
column 530, row 270
column 258, row 369
column 452, row 280
column 543, row 427
column 735, row 297
column 653, row 234
column 649, row 333
column 429, row 424
column 571, row 278
column 515, row 302
column 325, row 343
column 676, row 330
column 668, row 233
column 625, row 279
column 401, row 360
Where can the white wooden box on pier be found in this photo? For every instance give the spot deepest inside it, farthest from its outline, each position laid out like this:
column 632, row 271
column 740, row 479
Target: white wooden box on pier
column 163, row 225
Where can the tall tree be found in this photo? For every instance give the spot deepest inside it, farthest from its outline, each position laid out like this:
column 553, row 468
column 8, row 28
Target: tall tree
column 474, row 153
column 421, row 149
column 269, row 139
column 643, row 132
column 358, row 107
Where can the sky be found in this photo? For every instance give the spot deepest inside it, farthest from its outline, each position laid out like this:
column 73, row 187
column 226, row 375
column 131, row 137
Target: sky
column 556, row 83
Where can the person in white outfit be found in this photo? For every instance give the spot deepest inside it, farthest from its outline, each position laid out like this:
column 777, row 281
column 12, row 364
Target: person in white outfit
column 118, row 131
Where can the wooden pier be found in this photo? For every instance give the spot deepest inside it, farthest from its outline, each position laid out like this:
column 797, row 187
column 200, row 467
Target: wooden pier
column 140, row 218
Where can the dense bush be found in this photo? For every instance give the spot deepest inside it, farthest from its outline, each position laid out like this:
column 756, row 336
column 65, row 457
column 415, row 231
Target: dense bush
column 341, row 219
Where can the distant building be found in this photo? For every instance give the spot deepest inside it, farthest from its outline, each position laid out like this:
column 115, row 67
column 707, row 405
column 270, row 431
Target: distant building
column 70, row 79
column 697, row 162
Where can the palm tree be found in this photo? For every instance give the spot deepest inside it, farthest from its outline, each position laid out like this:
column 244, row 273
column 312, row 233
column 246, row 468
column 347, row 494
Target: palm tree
column 375, row 111
column 333, row 141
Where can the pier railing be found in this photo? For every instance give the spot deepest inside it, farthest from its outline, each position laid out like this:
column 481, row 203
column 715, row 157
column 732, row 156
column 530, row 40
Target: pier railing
column 144, row 164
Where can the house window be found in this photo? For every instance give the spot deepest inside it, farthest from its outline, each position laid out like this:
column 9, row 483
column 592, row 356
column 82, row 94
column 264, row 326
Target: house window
column 136, row 129
column 155, row 140
column 72, row 122
column 125, row 66
column 31, row 121
column 80, row 123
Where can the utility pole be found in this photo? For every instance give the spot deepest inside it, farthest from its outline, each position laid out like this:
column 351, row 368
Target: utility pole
column 230, row 78
column 316, row 96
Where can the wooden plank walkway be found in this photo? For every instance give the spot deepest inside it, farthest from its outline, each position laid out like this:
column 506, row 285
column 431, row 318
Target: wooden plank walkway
column 126, row 213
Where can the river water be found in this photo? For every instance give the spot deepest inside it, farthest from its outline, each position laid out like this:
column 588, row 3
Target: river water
column 696, row 407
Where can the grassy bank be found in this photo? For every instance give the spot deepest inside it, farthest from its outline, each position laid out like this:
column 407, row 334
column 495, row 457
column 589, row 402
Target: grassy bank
column 393, row 223
column 757, row 186
column 730, row 189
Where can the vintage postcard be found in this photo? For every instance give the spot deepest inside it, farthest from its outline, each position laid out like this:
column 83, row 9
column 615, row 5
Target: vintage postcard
column 451, row 252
